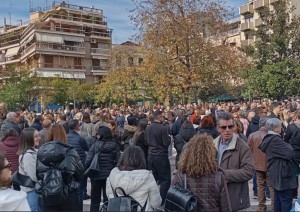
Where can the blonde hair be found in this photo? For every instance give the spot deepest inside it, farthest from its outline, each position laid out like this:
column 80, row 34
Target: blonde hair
column 199, row 157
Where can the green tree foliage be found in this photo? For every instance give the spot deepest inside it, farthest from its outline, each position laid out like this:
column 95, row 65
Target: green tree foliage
column 276, row 54
column 19, row 88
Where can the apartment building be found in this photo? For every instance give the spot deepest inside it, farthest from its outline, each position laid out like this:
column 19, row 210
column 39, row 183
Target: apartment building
column 70, row 41
column 250, row 19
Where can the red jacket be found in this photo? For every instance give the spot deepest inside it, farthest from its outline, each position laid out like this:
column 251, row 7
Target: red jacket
column 10, row 146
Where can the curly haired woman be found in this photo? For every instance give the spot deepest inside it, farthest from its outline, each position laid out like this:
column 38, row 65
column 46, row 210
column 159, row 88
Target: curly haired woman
column 198, row 162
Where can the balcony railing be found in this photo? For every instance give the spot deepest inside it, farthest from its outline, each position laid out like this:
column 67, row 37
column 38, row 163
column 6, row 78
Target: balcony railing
column 260, row 3
column 61, row 29
column 246, row 8
column 100, row 51
column 273, row 1
column 28, row 50
column 76, row 7
column 59, row 47
column 247, row 26
column 247, row 42
column 101, row 34
column 97, row 70
column 57, row 66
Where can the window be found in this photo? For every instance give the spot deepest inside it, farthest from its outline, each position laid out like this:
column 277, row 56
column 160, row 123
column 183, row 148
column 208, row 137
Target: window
column 77, row 63
column 130, row 61
column 103, row 45
column 140, row 60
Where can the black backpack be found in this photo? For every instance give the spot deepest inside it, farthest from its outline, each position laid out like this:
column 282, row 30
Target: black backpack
column 122, row 203
column 52, row 190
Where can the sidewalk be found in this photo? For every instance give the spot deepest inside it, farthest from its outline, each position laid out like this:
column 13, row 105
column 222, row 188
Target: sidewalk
column 253, row 202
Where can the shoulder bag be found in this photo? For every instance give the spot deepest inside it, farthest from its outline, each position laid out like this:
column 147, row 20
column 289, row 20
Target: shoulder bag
column 180, row 199
column 94, row 167
column 22, row 180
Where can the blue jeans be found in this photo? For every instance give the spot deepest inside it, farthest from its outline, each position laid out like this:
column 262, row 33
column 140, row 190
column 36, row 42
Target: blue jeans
column 33, row 202
column 283, row 200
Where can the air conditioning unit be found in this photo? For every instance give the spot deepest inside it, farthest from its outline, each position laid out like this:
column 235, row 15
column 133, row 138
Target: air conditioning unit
column 93, row 40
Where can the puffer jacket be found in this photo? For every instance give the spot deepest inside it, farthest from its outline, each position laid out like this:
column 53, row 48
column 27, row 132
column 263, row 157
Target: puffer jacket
column 209, row 130
column 79, row 144
column 139, row 184
column 185, row 134
column 279, row 162
column 108, row 157
column 10, row 146
column 210, row 190
column 64, row 158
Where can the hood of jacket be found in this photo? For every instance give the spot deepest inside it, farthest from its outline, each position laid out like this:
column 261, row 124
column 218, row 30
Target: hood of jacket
column 108, row 146
column 130, row 128
column 130, row 181
column 187, row 133
column 255, row 120
column 52, row 152
column 266, row 141
column 11, row 141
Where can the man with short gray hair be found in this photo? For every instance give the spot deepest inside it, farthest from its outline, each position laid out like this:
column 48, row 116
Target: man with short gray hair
column 260, row 163
column 235, row 160
column 11, row 122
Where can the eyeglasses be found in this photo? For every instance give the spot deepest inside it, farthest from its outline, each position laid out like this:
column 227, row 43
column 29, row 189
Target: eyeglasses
column 7, row 166
column 225, row 127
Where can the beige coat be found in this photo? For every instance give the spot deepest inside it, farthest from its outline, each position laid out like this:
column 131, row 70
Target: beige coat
column 237, row 166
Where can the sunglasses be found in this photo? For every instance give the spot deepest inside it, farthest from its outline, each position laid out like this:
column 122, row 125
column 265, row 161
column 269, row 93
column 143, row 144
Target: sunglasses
column 7, row 166
column 225, row 127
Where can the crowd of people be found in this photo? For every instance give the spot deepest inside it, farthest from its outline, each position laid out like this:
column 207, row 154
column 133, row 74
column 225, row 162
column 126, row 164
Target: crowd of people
column 219, row 148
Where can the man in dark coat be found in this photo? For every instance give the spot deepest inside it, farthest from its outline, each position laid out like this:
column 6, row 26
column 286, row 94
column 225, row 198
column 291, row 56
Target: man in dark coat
column 81, row 147
column 11, row 122
column 279, row 165
column 158, row 160
column 177, row 124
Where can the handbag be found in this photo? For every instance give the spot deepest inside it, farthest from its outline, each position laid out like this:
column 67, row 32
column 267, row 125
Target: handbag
column 122, row 203
column 22, row 180
column 94, row 167
column 180, row 199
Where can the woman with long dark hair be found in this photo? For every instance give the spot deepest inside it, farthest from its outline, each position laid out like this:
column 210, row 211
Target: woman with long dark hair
column 139, row 138
column 199, row 166
column 61, row 156
column 133, row 177
column 27, row 163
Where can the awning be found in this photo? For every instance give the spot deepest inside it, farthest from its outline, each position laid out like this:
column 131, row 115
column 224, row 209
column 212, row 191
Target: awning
column 49, row 38
column 66, row 75
column 12, row 51
column 74, row 39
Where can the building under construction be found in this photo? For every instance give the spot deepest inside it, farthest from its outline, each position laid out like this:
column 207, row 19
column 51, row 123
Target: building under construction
column 70, row 41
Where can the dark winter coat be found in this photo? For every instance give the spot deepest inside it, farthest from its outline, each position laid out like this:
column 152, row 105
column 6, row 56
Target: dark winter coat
column 253, row 125
column 158, row 139
column 176, row 126
column 184, row 136
column 142, row 142
column 292, row 136
column 8, row 124
column 210, row 190
column 108, row 157
column 279, row 162
column 37, row 125
column 10, row 146
column 209, row 130
column 79, row 144
column 64, row 158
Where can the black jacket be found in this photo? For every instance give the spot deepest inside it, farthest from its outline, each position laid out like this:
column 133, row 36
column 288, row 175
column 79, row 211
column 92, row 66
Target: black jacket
column 279, row 162
column 79, row 144
column 142, row 142
column 37, row 125
column 253, row 125
column 176, row 126
column 64, row 158
column 108, row 157
column 209, row 130
column 184, row 136
column 158, row 139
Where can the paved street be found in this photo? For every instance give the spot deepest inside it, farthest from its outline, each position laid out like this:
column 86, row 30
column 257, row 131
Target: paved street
column 254, row 202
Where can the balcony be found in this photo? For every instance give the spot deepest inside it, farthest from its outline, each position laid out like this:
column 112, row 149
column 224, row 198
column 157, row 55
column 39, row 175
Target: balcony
column 99, row 71
column 100, row 51
column 273, row 1
column 260, row 3
column 58, row 66
column 246, row 8
column 55, row 47
column 247, row 42
column 61, row 29
column 95, row 34
column 247, row 26
column 258, row 22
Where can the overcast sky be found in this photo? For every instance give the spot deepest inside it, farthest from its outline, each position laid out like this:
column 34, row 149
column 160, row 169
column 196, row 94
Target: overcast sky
column 116, row 12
